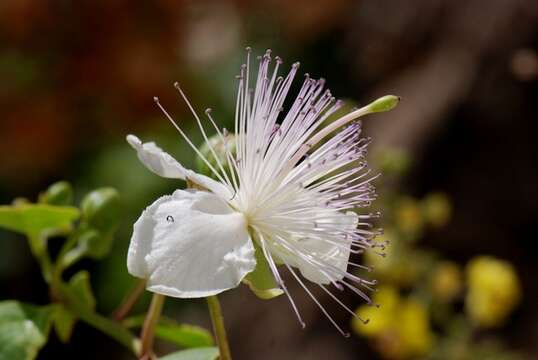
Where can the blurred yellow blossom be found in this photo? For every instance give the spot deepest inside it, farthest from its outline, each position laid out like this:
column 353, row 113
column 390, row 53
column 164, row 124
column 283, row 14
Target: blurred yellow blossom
column 437, row 209
column 383, row 264
column 408, row 216
column 446, row 281
column 414, row 328
column 400, row 327
column 380, row 319
column 393, row 161
column 400, row 265
column 494, row 290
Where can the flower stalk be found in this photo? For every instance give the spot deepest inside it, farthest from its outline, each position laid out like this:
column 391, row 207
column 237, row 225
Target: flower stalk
column 148, row 330
column 217, row 320
column 130, row 300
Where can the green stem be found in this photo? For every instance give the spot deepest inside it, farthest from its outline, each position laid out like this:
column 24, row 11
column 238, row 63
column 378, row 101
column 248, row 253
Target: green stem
column 218, row 327
column 105, row 325
column 112, row 329
column 148, row 330
column 38, row 247
column 129, row 300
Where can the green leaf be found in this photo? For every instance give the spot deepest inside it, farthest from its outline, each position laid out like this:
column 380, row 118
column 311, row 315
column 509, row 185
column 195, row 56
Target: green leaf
column 101, row 213
column 261, row 281
column 33, row 219
column 208, row 353
column 95, row 243
column 24, row 329
column 184, row 335
column 59, row 193
column 64, row 322
column 101, row 209
column 79, row 286
column 187, row 336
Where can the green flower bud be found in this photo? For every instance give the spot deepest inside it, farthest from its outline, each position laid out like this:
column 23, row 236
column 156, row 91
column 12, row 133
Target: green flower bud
column 385, row 103
column 219, row 144
column 101, row 209
column 59, row 193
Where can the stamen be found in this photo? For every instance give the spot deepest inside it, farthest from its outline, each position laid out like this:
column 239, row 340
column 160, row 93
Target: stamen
column 280, row 282
column 186, row 138
column 199, row 122
column 344, row 334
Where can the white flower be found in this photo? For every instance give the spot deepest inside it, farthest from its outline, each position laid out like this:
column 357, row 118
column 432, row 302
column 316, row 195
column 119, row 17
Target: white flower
column 290, row 200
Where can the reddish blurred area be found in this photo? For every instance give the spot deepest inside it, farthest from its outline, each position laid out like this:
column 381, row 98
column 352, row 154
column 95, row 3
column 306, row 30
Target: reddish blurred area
column 63, row 60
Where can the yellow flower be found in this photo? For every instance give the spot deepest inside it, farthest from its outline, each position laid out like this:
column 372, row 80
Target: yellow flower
column 494, row 290
column 408, row 216
column 400, row 328
column 437, row 209
column 380, row 318
column 383, row 264
column 446, row 281
column 414, row 328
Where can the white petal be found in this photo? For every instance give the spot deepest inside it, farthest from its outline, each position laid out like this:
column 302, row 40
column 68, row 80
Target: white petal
column 163, row 164
column 326, row 252
column 156, row 160
column 191, row 244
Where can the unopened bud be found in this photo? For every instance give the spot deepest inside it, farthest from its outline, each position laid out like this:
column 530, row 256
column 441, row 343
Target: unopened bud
column 221, row 146
column 101, row 209
column 385, row 103
column 59, row 193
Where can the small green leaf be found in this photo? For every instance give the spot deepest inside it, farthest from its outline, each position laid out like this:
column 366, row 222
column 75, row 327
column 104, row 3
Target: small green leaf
column 24, row 329
column 208, row 353
column 80, row 287
column 184, row 335
column 34, row 219
column 101, row 209
column 187, row 336
column 261, row 281
column 95, row 243
column 59, row 193
column 64, row 322
column 100, row 218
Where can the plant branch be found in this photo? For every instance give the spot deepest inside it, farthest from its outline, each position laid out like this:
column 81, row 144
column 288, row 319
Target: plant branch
column 102, row 323
column 129, row 300
column 148, row 330
column 217, row 319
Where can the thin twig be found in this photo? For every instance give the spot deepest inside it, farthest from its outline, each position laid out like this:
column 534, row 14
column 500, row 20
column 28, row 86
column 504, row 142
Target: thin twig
column 218, row 327
column 148, row 330
column 129, row 300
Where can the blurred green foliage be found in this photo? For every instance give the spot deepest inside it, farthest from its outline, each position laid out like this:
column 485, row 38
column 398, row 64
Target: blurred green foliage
column 87, row 231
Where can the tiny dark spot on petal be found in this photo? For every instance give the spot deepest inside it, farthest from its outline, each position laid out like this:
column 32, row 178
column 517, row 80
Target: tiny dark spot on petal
column 170, row 218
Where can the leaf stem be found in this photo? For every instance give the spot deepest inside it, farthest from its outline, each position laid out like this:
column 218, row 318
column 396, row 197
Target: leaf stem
column 217, row 319
column 38, row 247
column 102, row 323
column 148, row 330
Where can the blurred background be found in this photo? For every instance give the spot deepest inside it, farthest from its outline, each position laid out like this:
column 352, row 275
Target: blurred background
column 459, row 155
